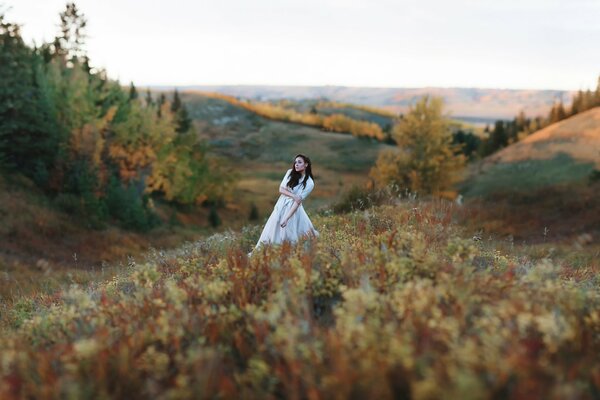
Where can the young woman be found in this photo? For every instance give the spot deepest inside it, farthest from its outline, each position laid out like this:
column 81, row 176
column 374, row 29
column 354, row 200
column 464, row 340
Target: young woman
column 289, row 221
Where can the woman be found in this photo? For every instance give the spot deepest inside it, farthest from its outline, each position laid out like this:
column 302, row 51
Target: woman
column 289, row 221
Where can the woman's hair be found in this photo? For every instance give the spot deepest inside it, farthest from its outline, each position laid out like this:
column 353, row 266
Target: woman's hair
column 295, row 175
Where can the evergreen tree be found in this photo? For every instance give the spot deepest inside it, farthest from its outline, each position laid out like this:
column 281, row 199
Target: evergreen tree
column 498, row 138
column 577, row 103
column 560, row 112
column 69, row 45
column 149, row 100
column 29, row 137
column 176, row 103
column 133, row 94
column 184, row 123
column 161, row 102
column 467, row 142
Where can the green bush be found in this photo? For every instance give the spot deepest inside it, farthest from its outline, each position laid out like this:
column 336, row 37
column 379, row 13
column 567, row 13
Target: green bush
column 127, row 206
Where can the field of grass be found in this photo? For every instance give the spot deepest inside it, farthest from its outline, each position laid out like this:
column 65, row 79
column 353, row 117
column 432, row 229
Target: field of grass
column 527, row 175
column 391, row 302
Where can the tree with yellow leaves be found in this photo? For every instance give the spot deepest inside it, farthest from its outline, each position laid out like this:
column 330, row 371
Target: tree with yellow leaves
column 426, row 161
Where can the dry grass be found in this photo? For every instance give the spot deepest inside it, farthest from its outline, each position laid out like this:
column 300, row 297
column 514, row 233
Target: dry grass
column 577, row 136
column 391, row 302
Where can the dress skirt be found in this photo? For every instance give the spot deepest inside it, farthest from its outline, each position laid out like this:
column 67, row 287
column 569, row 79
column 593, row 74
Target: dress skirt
column 299, row 224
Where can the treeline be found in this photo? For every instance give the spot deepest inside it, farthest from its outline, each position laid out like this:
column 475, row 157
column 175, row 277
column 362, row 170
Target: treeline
column 504, row 133
column 99, row 150
column 333, row 123
column 371, row 110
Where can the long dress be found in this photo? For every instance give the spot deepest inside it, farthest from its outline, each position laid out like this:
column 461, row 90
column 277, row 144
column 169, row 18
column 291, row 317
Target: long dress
column 298, row 225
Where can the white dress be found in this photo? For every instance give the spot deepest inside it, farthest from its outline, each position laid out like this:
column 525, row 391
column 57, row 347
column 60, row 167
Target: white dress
column 298, row 225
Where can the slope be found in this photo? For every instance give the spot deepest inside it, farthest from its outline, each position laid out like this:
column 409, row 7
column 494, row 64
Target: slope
column 260, row 150
column 544, row 187
column 563, row 153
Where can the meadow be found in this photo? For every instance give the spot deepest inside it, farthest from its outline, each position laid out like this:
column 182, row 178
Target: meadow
column 392, row 301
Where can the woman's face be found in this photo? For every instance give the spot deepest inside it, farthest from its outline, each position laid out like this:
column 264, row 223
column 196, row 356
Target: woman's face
column 299, row 164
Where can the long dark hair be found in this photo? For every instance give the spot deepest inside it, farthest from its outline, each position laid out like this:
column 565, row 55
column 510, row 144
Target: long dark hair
column 295, row 175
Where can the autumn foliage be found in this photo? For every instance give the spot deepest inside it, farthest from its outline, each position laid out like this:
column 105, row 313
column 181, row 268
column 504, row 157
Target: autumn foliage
column 333, row 123
column 83, row 138
column 391, row 302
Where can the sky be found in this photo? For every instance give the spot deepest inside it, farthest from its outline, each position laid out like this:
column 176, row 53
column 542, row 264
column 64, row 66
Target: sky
column 507, row 44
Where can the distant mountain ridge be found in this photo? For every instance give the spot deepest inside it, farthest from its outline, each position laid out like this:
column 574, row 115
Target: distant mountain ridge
column 475, row 104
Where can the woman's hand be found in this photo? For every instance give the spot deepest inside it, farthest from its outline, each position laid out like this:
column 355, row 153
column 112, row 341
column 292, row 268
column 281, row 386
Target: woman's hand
column 298, row 199
column 284, row 223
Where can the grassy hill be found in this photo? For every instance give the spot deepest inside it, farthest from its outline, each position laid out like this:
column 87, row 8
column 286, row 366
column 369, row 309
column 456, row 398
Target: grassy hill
column 391, row 302
column 543, row 187
column 562, row 153
column 260, row 150
column 42, row 246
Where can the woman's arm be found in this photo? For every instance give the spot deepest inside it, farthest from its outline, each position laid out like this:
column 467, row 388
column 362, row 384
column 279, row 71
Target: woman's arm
column 284, row 191
column 305, row 192
column 290, row 213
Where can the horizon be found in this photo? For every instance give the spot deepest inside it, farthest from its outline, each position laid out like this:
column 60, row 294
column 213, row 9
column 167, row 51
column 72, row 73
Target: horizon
column 349, row 86
column 517, row 45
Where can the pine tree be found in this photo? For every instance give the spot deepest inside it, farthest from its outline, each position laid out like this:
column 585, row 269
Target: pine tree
column 184, row 123
column 133, row 94
column 576, row 105
column 176, row 103
column 498, row 137
column 149, row 100
column 560, row 111
column 161, row 101
column 69, row 45
column 29, row 136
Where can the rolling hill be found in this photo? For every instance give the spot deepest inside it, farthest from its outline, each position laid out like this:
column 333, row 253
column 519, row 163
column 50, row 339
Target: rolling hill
column 562, row 153
column 260, row 150
column 475, row 105
column 544, row 187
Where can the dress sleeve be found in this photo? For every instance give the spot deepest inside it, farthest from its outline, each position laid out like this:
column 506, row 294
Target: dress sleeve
column 310, row 185
column 285, row 179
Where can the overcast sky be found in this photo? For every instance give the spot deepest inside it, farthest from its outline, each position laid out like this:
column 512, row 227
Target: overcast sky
column 520, row 44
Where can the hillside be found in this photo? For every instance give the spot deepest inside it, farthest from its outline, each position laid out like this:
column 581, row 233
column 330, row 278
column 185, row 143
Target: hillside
column 562, row 153
column 39, row 240
column 543, row 187
column 42, row 246
column 261, row 150
column 392, row 302
column 472, row 105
